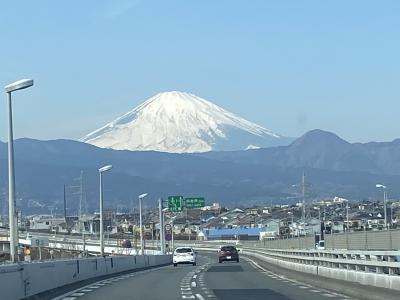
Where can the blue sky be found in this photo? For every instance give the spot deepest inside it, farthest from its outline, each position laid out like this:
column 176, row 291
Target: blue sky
column 290, row 66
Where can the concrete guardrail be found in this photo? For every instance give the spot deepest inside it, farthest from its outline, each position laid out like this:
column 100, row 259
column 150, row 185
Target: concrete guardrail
column 27, row 279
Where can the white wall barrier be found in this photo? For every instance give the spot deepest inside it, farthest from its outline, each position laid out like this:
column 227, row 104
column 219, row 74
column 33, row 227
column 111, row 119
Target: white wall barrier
column 26, row 279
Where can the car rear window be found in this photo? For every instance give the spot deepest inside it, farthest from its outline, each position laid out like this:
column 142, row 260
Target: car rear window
column 183, row 250
column 228, row 248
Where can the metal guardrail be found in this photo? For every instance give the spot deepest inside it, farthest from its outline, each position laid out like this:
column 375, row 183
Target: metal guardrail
column 380, row 262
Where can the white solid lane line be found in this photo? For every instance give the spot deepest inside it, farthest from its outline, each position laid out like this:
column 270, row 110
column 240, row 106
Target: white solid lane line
column 323, row 292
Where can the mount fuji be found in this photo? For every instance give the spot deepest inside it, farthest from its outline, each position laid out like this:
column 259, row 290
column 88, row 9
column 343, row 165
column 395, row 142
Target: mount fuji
column 179, row 122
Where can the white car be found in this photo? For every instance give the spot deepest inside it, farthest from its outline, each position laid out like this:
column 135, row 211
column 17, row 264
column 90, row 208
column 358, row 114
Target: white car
column 184, row 255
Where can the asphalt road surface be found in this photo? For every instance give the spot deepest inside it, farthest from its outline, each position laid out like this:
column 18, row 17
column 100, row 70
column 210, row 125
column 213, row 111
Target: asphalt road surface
column 246, row 280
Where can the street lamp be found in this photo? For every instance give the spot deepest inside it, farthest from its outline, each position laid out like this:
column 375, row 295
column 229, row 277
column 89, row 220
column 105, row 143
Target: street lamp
column 381, row 186
column 15, row 86
column 140, row 222
column 162, row 237
column 101, row 171
column 347, row 216
column 391, row 215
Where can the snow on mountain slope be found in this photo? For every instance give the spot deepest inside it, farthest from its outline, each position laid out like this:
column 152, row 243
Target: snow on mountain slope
column 181, row 122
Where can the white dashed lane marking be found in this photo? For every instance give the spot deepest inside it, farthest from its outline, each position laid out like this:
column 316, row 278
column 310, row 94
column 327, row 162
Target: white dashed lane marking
column 200, row 297
column 292, row 282
column 186, row 292
column 75, row 294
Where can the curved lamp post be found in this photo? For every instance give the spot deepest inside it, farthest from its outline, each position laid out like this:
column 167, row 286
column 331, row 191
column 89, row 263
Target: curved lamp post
column 140, row 222
column 101, row 171
column 383, row 187
column 15, row 86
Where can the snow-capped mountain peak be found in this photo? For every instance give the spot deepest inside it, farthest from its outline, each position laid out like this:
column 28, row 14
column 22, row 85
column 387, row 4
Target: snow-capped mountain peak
column 181, row 122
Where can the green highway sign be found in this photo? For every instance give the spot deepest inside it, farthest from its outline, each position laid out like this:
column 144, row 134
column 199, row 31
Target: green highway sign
column 178, row 203
column 195, row 202
column 175, row 203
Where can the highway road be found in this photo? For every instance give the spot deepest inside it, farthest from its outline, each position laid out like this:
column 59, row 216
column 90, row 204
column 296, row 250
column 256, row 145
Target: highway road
column 246, row 280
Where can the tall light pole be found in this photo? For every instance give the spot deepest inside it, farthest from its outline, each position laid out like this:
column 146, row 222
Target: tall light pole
column 347, row 225
column 303, row 192
column 347, row 217
column 391, row 214
column 161, row 213
column 381, row 186
column 140, row 222
column 101, row 171
column 15, row 86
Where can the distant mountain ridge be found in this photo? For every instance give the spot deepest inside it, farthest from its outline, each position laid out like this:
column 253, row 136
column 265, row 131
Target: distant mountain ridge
column 324, row 150
column 333, row 167
column 179, row 122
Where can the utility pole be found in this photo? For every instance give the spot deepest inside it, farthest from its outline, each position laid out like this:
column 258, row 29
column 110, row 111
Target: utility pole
column 385, row 207
column 79, row 190
column 319, row 214
column 292, row 225
column 65, row 205
column 80, row 195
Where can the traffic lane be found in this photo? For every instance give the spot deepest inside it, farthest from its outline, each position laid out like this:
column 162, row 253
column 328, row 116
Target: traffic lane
column 350, row 289
column 247, row 281
column 162, row 283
